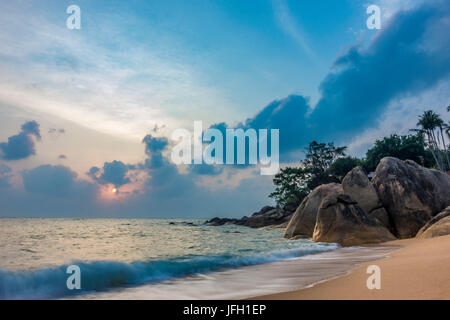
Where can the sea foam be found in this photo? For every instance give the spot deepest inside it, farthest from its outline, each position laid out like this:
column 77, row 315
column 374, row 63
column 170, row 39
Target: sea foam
column 103, row 275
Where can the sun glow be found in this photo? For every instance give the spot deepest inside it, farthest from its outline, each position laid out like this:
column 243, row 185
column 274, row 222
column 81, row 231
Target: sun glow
column 114, row 190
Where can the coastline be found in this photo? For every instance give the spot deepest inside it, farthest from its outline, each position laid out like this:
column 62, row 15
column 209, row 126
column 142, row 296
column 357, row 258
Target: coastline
column 418, row 270
column 256, row 280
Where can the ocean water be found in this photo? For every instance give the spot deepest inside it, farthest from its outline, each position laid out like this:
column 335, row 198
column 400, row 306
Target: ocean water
column 140, row 258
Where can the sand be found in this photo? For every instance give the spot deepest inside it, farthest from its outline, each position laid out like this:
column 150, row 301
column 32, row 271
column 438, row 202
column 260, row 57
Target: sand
column 419, row 270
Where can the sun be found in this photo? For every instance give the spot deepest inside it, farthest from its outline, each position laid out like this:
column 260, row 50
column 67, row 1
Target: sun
column 114, row 190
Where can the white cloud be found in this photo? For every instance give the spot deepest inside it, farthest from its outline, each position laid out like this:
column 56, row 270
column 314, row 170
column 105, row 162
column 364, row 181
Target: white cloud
column 124, row 90
column 290, row 26
column 402, row 115
column 390, row 7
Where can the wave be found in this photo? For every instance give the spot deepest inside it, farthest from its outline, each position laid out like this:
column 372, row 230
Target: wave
column 102, row 275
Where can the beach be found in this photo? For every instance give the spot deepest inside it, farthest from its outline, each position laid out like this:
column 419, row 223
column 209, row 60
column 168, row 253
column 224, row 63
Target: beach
column 420, row 269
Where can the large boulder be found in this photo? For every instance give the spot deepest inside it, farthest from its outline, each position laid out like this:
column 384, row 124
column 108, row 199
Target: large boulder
column 341, row 220
column 439, row 225
column 357, row 185
column 304, row 219
column 411, row 194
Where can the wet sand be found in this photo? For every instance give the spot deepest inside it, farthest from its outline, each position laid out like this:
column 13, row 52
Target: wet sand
column 419, row 270
column 263, row 279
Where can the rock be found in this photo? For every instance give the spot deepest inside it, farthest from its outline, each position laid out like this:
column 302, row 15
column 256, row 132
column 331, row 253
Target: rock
column 267, row 216
column 304, row 219
column 357, row 185
column 440, row 228
column 411, row 194
column 220, row 221
column 341, row 220
column 274, row 216
column 263, row 210
column 439, row 225
column 291, row 207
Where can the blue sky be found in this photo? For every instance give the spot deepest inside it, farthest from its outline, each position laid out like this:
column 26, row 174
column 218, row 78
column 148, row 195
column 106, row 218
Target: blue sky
column 144, row 68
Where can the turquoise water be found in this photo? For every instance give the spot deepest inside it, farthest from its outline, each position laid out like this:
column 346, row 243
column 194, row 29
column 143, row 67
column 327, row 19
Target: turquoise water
column 117, row 253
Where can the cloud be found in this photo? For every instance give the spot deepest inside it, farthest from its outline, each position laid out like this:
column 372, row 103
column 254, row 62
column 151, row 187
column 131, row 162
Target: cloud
column 49, row 191
column 291, row 27
column 4, row 169
column 154, row 146
column 114, row 172
column 401, row 115
column 55, row 181
column 82, row 77
column 290, row 116
column 56, row 133
column 409, row 56
column 31, row 128
column 169, row 192
column 22, row 145
column 5, row 175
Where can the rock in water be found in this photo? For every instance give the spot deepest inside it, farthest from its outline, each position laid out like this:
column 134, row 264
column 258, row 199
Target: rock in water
column 357, row 185
column 267, row 217
column 304, row 219
column 341, row 220
column 438, row 226
column 411, row 194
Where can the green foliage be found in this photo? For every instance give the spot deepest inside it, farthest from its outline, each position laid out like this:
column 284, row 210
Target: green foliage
column 319, row 158
column 290, row 186
column 447, row 126
column 342, row 166
column 432, row 126
column 325, row 163
column 403, row 147
column 293, row 184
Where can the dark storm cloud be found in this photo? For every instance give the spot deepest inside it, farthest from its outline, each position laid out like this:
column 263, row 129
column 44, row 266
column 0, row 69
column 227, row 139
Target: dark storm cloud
column 22, row 145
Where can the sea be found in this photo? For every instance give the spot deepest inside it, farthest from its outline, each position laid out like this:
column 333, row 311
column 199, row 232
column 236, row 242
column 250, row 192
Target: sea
column 160, row 259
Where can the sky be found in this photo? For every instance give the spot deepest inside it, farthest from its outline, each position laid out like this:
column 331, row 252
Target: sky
column 89, row 111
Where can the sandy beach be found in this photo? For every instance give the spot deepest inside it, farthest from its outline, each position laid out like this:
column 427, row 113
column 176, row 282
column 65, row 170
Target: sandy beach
column 419, row 270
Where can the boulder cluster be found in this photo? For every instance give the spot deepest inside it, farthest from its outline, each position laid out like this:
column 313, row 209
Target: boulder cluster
column 267, row 217
column 402, row 200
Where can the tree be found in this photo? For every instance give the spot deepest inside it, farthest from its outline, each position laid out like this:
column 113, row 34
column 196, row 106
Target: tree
column 431, row 124
column 403, row 147
column 319, row 158
column 447, row 126
column 290, row 186
column 293, row 184
column 342, row 166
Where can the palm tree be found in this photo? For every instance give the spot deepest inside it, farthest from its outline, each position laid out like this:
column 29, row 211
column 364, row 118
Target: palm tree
column 429, row 122
column 447, row 130
column 447, row 126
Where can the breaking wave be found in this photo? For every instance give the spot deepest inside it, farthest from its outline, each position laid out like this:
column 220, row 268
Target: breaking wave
column 103, row 275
